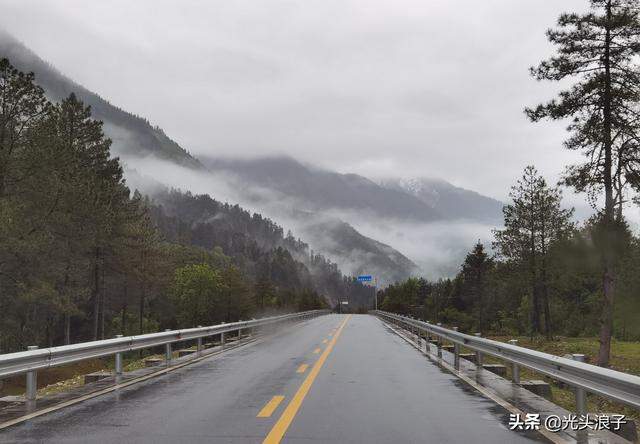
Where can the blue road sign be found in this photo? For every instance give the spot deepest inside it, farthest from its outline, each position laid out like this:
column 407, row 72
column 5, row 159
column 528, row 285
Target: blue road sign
column 365, row 278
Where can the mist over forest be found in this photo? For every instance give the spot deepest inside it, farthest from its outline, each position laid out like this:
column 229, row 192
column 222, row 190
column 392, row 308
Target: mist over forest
column 462, row 208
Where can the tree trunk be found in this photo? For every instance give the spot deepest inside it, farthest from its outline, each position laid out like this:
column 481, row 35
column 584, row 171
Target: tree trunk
column 141, row 312
column 608, row 281
column 535, row 300
column 142, row 294
column 96, row 292
column 67, row 315
column 543, row 279
column 103, row 296
column 123, row 322
column 67, row 328
column 547, row 308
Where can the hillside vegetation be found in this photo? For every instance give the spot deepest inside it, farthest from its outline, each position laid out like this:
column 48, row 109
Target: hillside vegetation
column 82, row 257
column 131, row 135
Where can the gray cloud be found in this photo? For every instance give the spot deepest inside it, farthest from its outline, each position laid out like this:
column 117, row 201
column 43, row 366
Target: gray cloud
column 402, row 87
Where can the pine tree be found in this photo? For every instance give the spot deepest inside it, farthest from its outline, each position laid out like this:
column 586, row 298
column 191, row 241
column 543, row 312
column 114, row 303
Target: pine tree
column 474, row 291
column 22, row 107
column 532, row 222
column 599, row 49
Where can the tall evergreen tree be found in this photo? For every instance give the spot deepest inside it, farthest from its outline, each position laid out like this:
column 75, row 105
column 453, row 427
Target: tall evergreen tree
column 474, row 292
column 599, row 50
column 532, row 222
column 22, row 108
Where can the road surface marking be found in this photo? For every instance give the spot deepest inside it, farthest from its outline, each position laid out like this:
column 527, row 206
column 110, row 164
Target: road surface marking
column 324, row 341
column 302, row 368
column 270, row 407
column 316, row 351
column 280, row 428
column 117, row 386
column 551, row 436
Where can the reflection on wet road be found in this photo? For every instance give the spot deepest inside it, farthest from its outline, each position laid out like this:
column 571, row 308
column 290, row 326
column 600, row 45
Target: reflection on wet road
column 332, row 379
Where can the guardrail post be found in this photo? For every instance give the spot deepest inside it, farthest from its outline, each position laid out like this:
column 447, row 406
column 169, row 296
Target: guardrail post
column 168, row 352
column 581, row 394
column 456, row 353
column 439, row 343
column 32, row 381
column 199, row 344
column 222, row 340
column 515, row 369
column 426, row 341
column 118, row 368
column 478, row 355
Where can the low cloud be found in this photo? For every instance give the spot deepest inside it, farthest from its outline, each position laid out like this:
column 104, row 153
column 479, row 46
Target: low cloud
column 437, row 248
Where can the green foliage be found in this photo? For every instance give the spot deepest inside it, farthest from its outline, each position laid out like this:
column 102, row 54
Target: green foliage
column 460, row 319
column 474, row 296
column 196, row 293
column 597, row 52
column 494, row 295
column 532, row 222
column 81, row 257
column 401, row 297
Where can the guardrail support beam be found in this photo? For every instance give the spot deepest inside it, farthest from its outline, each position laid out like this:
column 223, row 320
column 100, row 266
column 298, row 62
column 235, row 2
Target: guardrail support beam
column 426, row 342
column 516, row 368
column 32, row 381
column 456, row 356
column 199, row 344
column 118, row 365
column 580, row 393
column 516, row 373
column 456, row 353
column 222, row 340
column 439, row 342
column 583, row 378
column 29, row 362
column 478, row 355
column 168, row 353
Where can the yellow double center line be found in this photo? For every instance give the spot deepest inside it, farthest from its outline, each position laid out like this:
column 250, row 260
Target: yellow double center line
column 280, row 428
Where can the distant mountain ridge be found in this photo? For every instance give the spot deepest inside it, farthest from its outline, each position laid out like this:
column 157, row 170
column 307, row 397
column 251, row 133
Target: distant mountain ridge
column 301, row 188
column 450, row 201
column 318, row 189
column 134, row 137
column 355, row 253
column 315, row 189
column 131, row 135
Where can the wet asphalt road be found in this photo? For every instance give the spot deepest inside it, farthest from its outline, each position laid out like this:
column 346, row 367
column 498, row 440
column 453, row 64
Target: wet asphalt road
column 373, row 387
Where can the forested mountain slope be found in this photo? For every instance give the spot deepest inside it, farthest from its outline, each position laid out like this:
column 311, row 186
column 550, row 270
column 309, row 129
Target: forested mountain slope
column 255, row 243
column 83, row 257
column 132, row 135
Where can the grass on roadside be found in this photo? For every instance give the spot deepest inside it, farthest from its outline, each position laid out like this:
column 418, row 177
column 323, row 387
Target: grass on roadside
column 625, row 357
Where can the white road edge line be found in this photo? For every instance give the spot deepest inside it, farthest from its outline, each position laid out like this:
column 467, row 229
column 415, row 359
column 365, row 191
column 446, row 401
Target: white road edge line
column 503, row 403
column 112, row 388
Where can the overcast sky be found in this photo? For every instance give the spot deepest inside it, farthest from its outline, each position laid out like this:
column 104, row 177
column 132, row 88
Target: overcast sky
column 382, row 88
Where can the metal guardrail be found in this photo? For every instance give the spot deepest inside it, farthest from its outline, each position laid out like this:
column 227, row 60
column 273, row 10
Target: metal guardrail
column 34, row 359
column 611, row 384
